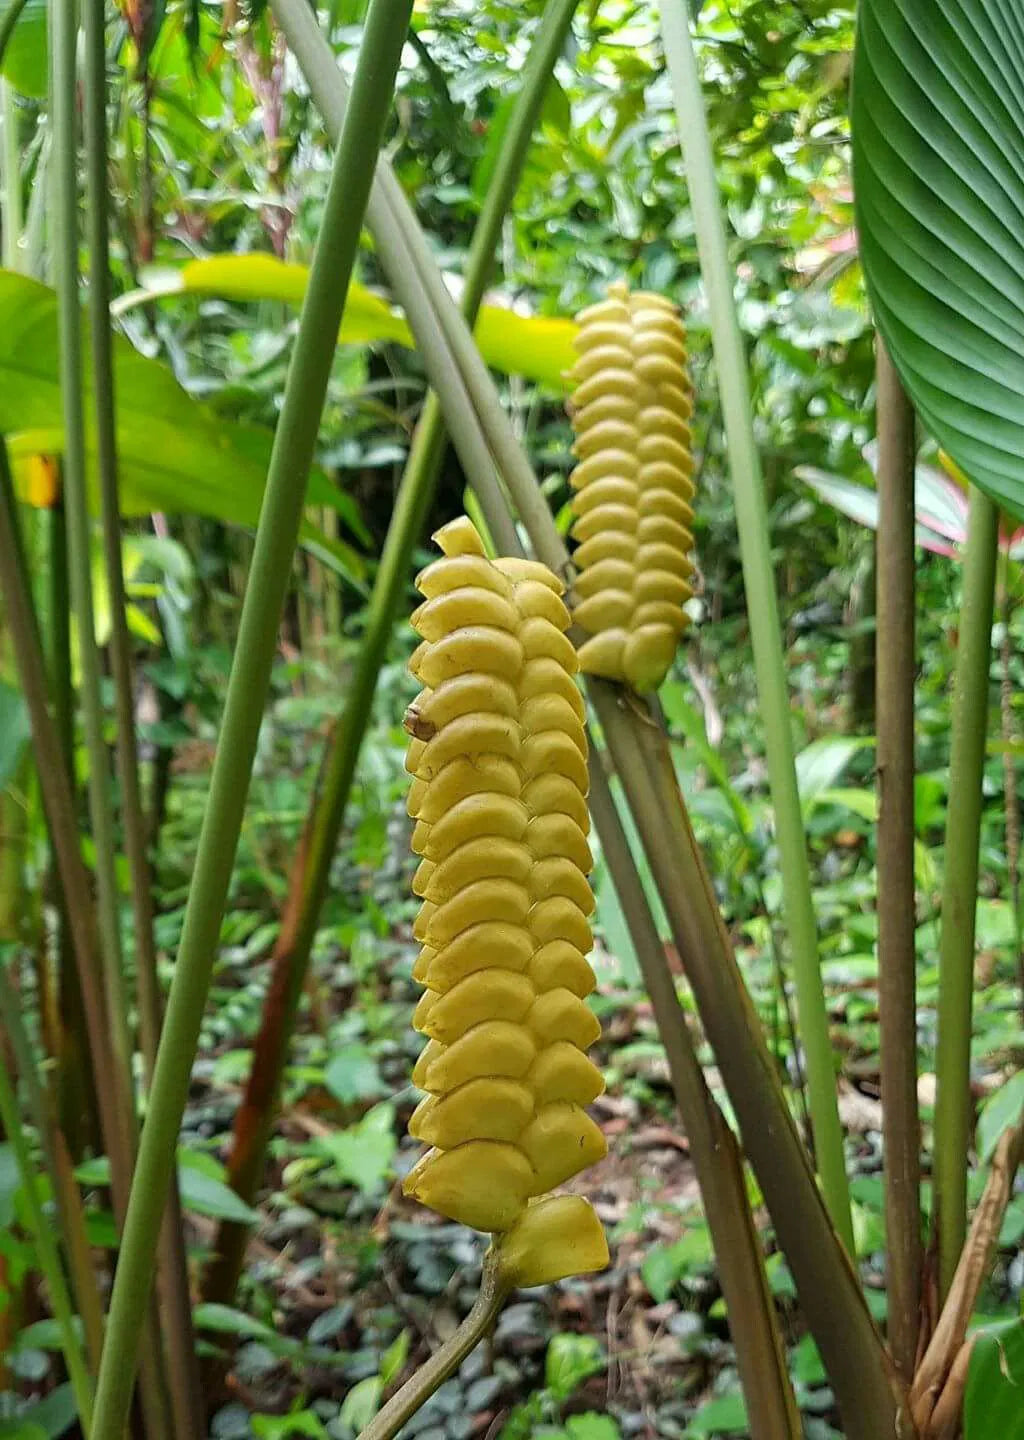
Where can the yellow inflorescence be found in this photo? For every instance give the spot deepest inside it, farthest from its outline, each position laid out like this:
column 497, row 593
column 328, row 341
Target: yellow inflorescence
column 633, row 486
column 498, row 756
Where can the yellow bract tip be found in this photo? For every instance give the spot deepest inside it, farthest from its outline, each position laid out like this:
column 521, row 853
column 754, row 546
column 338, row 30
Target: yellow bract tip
column 553, row 1238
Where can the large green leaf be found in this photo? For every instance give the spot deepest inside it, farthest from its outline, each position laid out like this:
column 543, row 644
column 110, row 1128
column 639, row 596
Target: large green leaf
column 175, row 455
column 994, row 1400
column 938, row 129
column 25, row 57
column 537, row 346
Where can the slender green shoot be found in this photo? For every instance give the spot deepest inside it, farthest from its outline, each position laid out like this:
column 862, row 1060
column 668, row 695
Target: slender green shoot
column 183, row 1378
column 960, row 884
column 61, row 1173
column 897, row 954
column 276, row 539
column 46, row 1250
column 415, row 495
column 762, row 608
column 64, row 37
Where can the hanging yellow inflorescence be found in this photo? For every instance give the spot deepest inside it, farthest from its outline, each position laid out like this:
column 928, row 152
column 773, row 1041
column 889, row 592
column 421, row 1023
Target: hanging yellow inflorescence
column 498, row 756
column 633, row 486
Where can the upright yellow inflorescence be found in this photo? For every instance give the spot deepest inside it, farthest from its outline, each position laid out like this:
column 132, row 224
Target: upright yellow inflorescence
column 498, row 756
column 633, row 486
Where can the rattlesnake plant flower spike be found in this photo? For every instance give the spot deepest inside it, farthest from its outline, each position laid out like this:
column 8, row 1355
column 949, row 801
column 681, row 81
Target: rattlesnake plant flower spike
column 498, row 758
column 632, row 486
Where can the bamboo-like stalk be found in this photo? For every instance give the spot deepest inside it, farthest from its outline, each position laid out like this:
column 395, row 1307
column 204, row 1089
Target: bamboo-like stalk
column 116, row 1045
column 176, row 1306
column 61, row 1173
column 960, row 884
column 76, row 1095
column 58, row 801
column 46, row 1252
column 826, row 1283
column 76, row 895
column 63, row 36
column 762, row 609
column 897, row 957
column 276, row 538
column 311, row 871
column 760, row 1353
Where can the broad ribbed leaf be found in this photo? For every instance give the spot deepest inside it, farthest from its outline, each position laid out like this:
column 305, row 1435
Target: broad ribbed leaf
column 938, row 128
column 174, row 454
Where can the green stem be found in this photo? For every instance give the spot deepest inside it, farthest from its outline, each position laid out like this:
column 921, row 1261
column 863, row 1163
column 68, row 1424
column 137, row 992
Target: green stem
column 76, row 1099
column 312, row 869
column 762, row 609
column 63, row 36
column 960, row 885
column 62, row 1179
column 897, row 956
column 10, row 158
column 46, row 1249
column 58, row 800
column 276, row 538
column 183, row 1379
column 753, row 1321
column 445, row 1361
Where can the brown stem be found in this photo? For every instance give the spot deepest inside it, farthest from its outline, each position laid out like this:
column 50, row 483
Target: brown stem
column 760, row 1354
column 826, row 1282
column 897, row 958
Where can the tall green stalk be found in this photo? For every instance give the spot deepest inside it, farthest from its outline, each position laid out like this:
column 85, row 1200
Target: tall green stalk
column 276, row 538
column 46, row 1251
column 183, row 1377
column 311, row 873
column 762, row 609
column 64, row 36
column 960, row 884
column 55, row 785
column 61, row 1174
column 897, row 955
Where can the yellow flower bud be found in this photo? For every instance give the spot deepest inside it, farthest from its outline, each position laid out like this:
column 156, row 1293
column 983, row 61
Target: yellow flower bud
column 498, row 757
column 633, row 486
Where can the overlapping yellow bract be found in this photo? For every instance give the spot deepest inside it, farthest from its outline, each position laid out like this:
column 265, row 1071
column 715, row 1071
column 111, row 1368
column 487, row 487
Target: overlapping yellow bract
column 633, row 486
column 498, row 756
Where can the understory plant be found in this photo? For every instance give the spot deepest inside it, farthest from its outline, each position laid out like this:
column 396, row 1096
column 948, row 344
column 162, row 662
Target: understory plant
column 510, row 760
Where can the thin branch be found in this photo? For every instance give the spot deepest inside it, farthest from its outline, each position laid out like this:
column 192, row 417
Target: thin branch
column 762, row 609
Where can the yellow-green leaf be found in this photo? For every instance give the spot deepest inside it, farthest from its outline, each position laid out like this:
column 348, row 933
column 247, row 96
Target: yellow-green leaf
column 536, row 346
column 174, row 454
